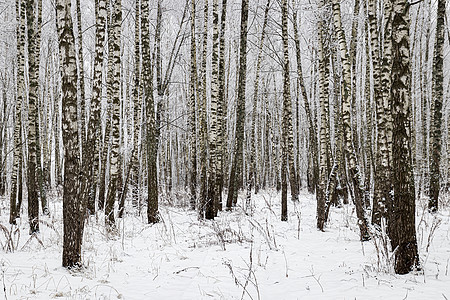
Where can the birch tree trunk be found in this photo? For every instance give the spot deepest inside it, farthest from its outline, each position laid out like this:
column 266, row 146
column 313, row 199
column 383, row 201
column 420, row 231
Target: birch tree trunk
column 33, row 75
column 3, row 135
column 114, row 94
column 39, row 170
column 81, row 80
column 382, row 174
column 17, row 157
column 152, row 144
column 103, row 143
column 438, row 97
column 73, row 216
column 222, row 107
column 203, row 123
column 236, row 170
column 136, row 92
column 321, row 193
column 91, row 146
column 213, row 189
column 385, row 148
column 192, row 120
column 403, row 210
column 287, row 144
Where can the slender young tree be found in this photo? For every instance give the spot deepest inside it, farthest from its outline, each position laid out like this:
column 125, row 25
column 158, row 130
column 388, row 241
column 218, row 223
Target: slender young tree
column 192, row 120
column 39, row 147
column 438, row 96
column 81, row 80
column 235, row 181
column 202, row 120
column 73, row 216
column 4, row 121
column 137, row 106
column 403, row 209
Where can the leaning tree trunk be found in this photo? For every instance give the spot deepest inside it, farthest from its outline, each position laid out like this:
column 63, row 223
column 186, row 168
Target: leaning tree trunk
column 236, row 167
column 33, row 75
column 73, row 216
column 350, row 152
column 17, row 157
column 438, row 97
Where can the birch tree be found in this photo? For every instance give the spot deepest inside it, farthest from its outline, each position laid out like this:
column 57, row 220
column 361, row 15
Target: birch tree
column 137, row 106
column 94, row 122
column 287, row 144
column 213, row 189
column 403, row 209
column 17, row 157
column 203, row 197
column 192, row 120
column 114, row 93
column 33, row 75
column 321, row 193
column 438, row 96
column 151, row 138
column 73, row 216
column 382, row 174
column 222, row 108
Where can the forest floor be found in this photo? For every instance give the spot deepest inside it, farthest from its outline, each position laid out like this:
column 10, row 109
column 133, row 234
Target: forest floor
column 237, row 256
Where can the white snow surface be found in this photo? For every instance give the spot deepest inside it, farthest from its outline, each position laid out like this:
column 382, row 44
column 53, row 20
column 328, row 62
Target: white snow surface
column 236, row 256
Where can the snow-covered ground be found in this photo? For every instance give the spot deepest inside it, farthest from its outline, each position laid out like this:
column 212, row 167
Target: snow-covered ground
column 234, row 257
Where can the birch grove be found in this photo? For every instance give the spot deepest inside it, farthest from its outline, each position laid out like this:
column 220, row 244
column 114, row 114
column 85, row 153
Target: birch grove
column 130, row 107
